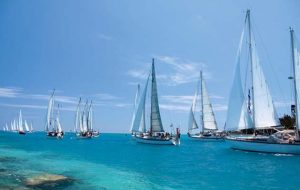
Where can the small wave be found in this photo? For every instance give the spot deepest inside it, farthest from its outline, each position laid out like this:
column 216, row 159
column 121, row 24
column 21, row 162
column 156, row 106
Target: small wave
column 284, row 155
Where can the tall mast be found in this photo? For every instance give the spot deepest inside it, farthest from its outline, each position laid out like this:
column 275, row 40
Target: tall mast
column 201, row 87
column 153, row 75
column 251, row 61
column 295, row 88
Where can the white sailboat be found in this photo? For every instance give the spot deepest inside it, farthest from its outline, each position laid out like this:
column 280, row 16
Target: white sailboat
column 84, row 121
column 262, row 112
column 156, row 134
column 209, row 128
column 20, row 124
column 53, row 127
column 26, row 126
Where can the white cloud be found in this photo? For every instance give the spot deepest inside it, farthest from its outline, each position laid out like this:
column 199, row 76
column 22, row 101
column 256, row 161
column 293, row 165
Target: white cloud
column 180, row 71
column 105, row 96
column 10, row 92
column 23, row 106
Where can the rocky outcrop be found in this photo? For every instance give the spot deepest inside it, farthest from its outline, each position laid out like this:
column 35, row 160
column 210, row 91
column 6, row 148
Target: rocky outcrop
column 48, row 181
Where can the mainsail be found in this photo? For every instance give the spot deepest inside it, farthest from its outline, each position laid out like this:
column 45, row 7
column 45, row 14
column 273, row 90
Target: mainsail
column 20, row 122
column 49, row 112
column 208, row 121
column 208, row 117
column 155, row 119
column 263, row 110
column 264, row 114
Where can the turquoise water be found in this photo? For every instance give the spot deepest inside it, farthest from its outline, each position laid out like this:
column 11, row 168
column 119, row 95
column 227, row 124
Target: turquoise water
column 115, row 161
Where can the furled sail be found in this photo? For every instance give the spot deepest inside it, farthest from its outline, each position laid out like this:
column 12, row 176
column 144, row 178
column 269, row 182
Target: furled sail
column 155, row 120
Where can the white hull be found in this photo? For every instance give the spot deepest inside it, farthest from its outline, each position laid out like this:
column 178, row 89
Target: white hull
column 204, row 138
column 263, row 146
column 149, row 140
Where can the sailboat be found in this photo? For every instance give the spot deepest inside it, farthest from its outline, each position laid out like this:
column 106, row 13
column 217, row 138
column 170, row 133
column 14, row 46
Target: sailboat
column 53, row 127
column 20, row 125
column 208, row 122
column 156, row 133
column 262, row 115
column 84, row 121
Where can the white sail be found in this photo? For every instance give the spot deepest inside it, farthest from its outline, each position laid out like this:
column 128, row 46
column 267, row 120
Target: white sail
column 192, row 124
column 238, row 117
column 208, row 117
column 264, row 110
column 137, row 96
column 155, row 120
column 91, row 116
column 140, row 110
column 58, row 125
column 26, row 126
column 31, row 128
column 49, row 112
column 77, row 117
column 20, row 122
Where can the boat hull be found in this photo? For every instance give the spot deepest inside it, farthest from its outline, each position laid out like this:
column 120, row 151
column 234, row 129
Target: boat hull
column 156, row 141
column 265, row 147
column 208, row 139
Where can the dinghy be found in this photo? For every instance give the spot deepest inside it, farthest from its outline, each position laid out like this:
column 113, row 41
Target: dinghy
column 208, row 131
column 156, row 134
column 53, row 127
column 262, row 114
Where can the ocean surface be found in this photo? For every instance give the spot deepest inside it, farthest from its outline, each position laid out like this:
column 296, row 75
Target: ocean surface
column 115, row 161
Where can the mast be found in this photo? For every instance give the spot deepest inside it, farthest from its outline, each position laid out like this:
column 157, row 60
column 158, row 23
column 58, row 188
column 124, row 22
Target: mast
column 251, row 61
column 202, row 107
column 295, row 88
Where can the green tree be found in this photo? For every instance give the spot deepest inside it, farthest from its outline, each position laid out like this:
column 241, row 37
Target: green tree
column 287, row 121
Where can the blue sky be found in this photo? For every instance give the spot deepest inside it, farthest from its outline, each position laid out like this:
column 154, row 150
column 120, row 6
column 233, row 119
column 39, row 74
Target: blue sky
column 100, row 50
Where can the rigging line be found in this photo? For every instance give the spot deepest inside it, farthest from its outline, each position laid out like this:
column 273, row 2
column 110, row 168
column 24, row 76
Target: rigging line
column 268, row 60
